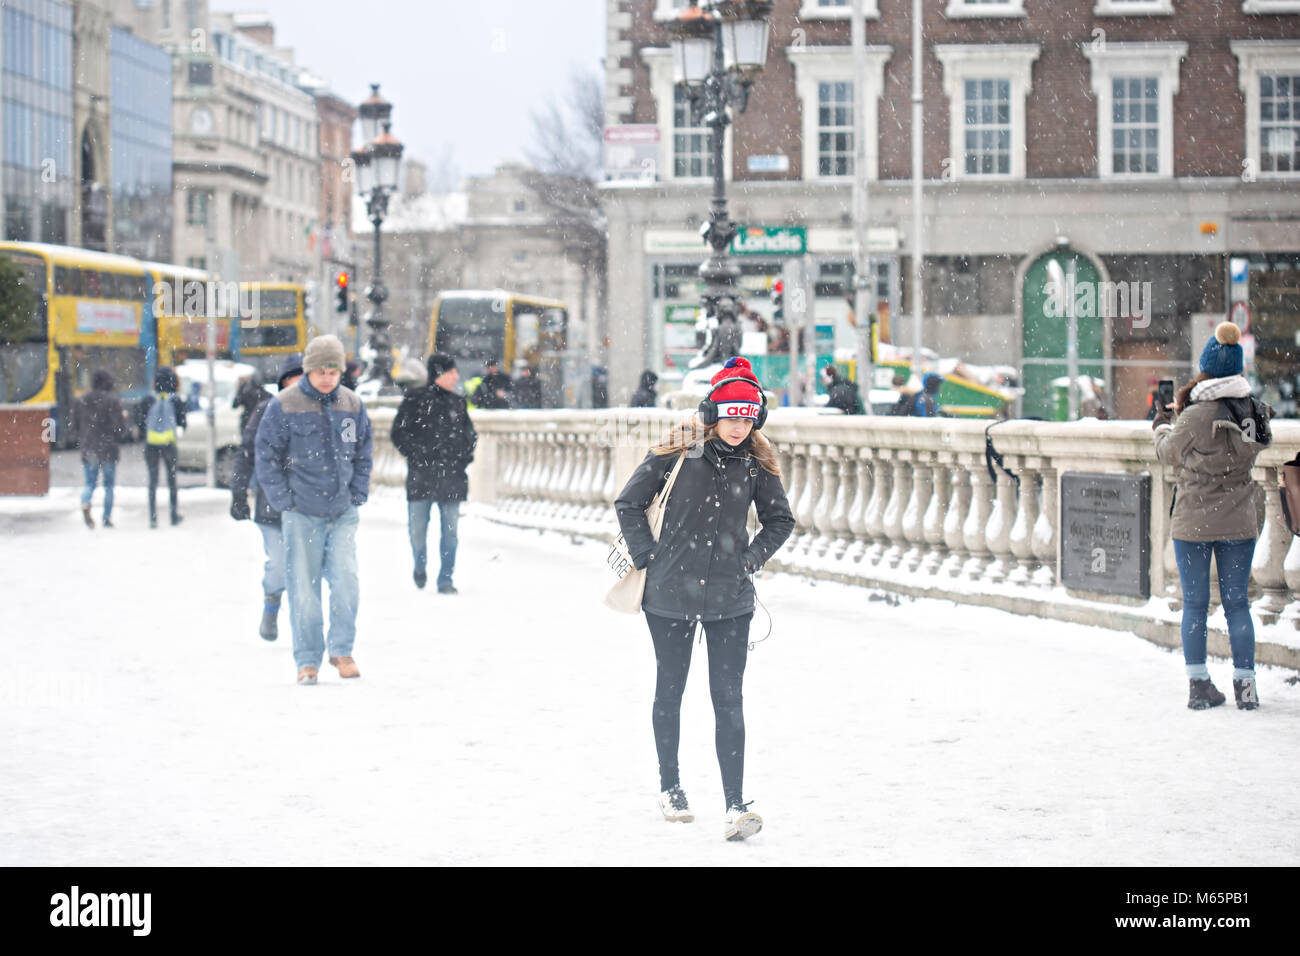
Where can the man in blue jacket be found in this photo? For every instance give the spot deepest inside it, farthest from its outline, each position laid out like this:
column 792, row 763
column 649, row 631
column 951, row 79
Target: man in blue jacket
column 313, row 462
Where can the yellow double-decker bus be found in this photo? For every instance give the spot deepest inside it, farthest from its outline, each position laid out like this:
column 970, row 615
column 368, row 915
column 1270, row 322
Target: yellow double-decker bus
column 273, row 324
column 474, row 326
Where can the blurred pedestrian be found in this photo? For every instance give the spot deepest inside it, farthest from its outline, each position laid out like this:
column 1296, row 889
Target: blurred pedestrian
column 164, row 415
column 494, row 391
column 645, row 396
column 527, row 389
column 840, row 392
column 249, row 394
column 313, row 460
column 926, row 403
column 351, row 374
column 1212, row 436
column 99, row 424
column 433, row 432
column 699, row 571
column 265, row 517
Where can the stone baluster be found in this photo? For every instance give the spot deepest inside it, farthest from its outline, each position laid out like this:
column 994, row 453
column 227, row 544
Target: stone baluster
column 552, row 490
column 1022, row 529
column 914, row 514
column 594, row 481
column 578, row 451
column 858, row 510
column 1290, row 615
column 524, row 444
column 998, row 533
column 1270, row 554
column 800, row 501
column 826, row 464
column 893, row 522
column 975, row 531
column 1045, row 530
column 874, row 519
column 954, row 522
column 845, row 487
column 935, row 513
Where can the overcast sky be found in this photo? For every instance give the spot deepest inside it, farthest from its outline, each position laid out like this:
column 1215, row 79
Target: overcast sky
column 459, row 73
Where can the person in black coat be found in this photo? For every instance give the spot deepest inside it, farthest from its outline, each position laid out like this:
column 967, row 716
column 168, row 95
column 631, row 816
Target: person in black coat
column 495, row 390
column 699, row 571
column 527, row 388
column 434, row 433
column 160, row 446
column 266, row 517
column 841, row 393
column 248, row 395
column 99, row 423
column 644, row 396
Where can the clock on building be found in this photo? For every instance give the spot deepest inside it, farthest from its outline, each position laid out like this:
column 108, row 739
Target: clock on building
column 201, row 121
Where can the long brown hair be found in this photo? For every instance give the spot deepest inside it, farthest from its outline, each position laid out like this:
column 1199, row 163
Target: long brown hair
column 693, row 432
column 1183, row 395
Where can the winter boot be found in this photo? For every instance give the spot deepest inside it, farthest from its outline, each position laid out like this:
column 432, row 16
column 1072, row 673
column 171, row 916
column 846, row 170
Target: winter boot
column 673, row 805
column 176, row 519
column 1247, row 696
column 85, row 513
column 106, row 523
column 153, row 521
column 421, row 579
column 1204, row 695
column 306, row 675
column 346, row 665
column 270, row 626
column 447, row 589
column 741, row 823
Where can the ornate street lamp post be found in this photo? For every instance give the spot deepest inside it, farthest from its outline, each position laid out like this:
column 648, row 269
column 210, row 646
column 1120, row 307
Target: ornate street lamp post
column 377, row 164
column 717, row 48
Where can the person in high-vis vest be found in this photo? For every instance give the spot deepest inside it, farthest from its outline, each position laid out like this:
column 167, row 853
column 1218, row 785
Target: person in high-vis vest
column 164, row 414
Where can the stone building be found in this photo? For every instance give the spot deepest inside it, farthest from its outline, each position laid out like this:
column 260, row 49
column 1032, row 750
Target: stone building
column 1150, row 143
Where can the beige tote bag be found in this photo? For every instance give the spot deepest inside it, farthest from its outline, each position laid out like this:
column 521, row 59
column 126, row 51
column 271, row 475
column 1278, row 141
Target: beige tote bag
column 627, row 592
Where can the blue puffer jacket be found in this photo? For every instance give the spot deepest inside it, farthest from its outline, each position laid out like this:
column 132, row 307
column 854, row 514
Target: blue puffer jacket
column 313, row 451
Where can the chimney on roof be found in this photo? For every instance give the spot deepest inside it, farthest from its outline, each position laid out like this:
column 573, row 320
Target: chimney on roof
column 417, row 178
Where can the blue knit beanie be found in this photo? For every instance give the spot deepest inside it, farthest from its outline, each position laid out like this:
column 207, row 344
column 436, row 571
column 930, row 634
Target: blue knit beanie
column 1222, row 355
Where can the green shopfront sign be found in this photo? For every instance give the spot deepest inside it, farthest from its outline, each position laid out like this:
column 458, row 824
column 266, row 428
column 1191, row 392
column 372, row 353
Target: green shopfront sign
column 770, row 241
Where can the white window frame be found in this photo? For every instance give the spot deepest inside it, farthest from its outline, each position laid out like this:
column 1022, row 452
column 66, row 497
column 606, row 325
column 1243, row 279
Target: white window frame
column 983, row 61
column 1133, row 8
column 813, row 10
column 664, row 11
column 660, row 62
column 1253, row 58
column 965, row 10
column 1267, row 7
column 1110, row 60
column 814, row 65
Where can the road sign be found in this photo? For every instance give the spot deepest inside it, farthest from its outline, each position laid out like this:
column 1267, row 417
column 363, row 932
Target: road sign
column 1239, row 314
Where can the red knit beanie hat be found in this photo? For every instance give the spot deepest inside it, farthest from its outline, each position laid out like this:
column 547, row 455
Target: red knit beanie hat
column 737, row 399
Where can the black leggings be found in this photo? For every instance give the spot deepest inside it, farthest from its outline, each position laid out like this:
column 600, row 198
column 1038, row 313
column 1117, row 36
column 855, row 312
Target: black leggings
column 152, row 454
column 728, row 646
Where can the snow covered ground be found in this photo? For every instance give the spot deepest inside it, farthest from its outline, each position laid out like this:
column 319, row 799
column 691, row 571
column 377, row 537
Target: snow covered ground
column 146, row 723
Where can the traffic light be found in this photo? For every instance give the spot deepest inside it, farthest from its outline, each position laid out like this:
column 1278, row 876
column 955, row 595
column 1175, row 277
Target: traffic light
column 778, row 301
column 341, row 281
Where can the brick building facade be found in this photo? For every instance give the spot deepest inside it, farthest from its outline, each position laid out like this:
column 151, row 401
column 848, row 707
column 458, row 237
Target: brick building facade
column 1147, row 141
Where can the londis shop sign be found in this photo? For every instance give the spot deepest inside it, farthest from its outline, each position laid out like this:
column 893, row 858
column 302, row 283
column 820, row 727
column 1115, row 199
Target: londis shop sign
column 770, row 241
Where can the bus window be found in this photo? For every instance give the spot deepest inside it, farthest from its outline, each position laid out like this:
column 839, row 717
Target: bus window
column 67, row 280
column 471, row 330
column 25, row 365
column 91, row 283
column 269, row 337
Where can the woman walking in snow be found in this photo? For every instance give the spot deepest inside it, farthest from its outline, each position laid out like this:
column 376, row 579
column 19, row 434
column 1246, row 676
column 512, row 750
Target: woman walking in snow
column 699, row 572
column 1217, row 431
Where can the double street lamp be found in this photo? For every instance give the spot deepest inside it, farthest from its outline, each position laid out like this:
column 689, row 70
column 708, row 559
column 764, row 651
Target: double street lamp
column 718, row 46
column 377, row 164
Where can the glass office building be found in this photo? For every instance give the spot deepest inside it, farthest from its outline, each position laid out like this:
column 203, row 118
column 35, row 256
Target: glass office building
column 36, row 171
column 142, row 147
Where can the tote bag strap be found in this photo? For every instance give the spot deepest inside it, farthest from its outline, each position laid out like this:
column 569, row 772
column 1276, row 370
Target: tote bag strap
column 655, row 513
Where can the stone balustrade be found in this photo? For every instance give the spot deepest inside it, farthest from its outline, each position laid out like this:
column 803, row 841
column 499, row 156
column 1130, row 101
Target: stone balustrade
column 901, row 504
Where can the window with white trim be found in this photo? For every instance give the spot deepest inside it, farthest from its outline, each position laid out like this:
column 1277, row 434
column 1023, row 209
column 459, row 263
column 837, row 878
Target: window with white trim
column 835, row 129
column 692, row 141
column 836, row 9
column 1135, row 84
column 1133, row 8
column 958, row 9
column 669, row 9
column 1270, row 6
column 986, row 85
column 1279, row 122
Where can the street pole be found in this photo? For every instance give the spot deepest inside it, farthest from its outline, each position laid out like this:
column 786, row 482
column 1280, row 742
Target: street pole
column 379, row 341
column 718, row 271
column 918, row 175
column 864, row 306
column 1072, row 337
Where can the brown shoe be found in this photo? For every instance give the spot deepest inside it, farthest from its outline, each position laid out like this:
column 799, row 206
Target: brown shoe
column 306, row 675
column 85, row 513
column 346, row 665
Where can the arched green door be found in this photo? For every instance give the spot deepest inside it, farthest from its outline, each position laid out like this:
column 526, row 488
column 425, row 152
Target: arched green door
column 1045, row 329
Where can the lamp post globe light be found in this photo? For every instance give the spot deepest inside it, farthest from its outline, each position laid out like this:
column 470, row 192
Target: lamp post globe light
column 377, row 164
column 718, row 47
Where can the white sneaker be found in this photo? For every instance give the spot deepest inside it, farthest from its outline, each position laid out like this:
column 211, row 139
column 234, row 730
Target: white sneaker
column 673, row 805
column 741, row 823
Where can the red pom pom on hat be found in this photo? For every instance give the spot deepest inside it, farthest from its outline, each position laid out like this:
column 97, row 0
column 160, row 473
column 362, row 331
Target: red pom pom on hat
column 742, row 398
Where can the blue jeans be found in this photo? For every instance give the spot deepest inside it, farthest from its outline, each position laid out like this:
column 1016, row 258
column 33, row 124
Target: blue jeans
column 1233, row 560
column 273, row 570
column 417, row 513
column 316, row 547
column 91, row 470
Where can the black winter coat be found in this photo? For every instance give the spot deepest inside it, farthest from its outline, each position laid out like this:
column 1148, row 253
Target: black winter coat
column 485, row 396
column 434, row 433
column 699, row 568
column 99, row 424
column 244, row 468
